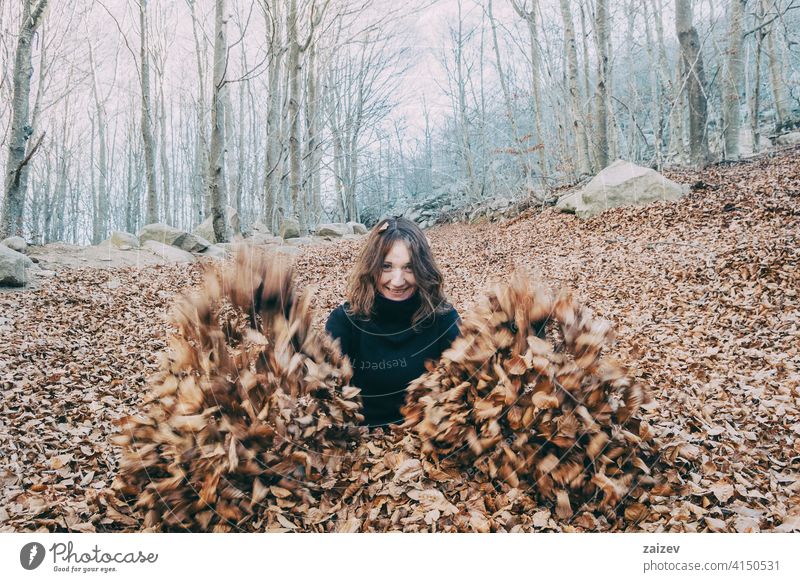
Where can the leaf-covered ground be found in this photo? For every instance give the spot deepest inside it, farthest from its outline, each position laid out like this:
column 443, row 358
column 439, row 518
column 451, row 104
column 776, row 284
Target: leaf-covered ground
column 703, row 294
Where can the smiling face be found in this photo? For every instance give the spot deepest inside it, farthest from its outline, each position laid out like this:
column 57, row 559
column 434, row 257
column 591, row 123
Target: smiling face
column 397, row 280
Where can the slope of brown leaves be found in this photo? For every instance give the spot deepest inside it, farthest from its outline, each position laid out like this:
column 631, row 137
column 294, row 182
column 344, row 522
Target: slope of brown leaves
column 702, row 294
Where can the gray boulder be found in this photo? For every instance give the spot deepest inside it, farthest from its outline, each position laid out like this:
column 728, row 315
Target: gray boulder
column 569, row 202
column 123, row 240
column 620, row 184
column 168, row 252
column 788, row 139
column 12, row 267
column 334, row 229
column 16, row 243
column 259, row 238
column 299, row 241
column 215, row 252
column 357, row 228
column 290, row 228
column 169, row 235
column 260, row 228
column 206, row 228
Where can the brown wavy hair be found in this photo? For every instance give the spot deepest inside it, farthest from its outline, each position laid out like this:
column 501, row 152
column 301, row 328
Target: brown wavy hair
column 365, row 275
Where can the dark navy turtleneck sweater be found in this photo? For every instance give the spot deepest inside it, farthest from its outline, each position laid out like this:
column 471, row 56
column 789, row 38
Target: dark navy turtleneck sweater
column 387, row 353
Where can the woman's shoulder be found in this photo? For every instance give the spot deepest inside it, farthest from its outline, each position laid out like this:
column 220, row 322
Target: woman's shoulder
column 447, row 312
column 338, row 316
column 339, row 311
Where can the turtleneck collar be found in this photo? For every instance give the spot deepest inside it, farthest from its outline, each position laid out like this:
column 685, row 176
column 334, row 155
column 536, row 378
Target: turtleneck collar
column 397, row 310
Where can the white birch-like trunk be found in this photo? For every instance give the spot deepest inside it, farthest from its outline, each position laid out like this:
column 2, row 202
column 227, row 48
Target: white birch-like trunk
column 20, row 130
column 578, row 122
column 601, row 95
column 216, row 158
column 692, row 64
column 151, row 214
column 733, row 80
column 779, row 95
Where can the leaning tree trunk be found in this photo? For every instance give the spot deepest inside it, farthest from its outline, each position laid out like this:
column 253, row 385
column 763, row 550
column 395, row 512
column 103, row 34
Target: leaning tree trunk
column 692, row 60
column 20, row 130
column 733, row 80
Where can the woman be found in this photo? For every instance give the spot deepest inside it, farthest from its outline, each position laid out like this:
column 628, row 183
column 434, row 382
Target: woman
column 395, row 319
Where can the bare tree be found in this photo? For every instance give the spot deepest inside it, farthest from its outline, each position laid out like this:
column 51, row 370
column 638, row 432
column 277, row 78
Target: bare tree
column 216, row 160
column 755, row 94
column 777, row 82
column 530, row 15
column 148, row 142
column 459, row 39
column 733, row 79
column 276, row 49
column 100, row 230
column 201, row 143
column 296, row 48
column 578, row 122
column 692, row 65
column 517, row 148
column 19, row 155
column 601, row 95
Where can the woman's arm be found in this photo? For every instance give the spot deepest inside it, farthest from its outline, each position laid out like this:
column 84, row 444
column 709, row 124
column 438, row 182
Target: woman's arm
column 338, row 327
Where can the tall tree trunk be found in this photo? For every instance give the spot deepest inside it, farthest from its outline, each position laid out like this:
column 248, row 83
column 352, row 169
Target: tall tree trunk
column 656, row 93
column 295, row 66
column 146, row 123
column 533, row 36
column 578, row 122
column 779, row 97
column 755, row 95
column 162, row 126
column 733, row 80
column 216, row 159
column 587, row 84
column 338, row 171
column 601, row 96
column 312, row 154
column 692, row 61
column 20, row 130
column 518, row 147
column 466, row 148
column 201, row 146
column 273, row 149
column 101, row 224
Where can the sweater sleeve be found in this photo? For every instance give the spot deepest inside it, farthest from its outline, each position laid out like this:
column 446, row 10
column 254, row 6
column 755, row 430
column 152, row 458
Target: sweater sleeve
column 338, row 327
column 450, row 330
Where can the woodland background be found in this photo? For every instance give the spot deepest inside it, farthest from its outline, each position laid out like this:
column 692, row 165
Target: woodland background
column 119, row 113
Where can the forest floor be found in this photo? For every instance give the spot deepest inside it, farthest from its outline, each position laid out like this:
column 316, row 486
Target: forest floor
column 702, row 293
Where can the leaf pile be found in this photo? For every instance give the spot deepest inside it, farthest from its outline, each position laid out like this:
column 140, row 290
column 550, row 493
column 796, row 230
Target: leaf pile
column 250, row 409
column 565, row 421
column 701, row 293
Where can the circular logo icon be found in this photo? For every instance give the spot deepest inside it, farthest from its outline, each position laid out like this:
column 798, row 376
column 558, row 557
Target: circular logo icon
column 31, row 555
